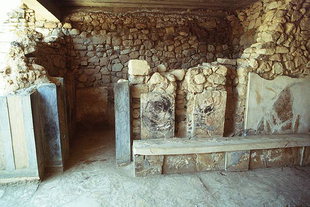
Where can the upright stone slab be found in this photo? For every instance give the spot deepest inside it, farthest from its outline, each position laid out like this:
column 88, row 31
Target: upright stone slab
column 52, row 108
column 122, row 122
column 157, row 115
column 21, row 150
column 208, row 116
column 278, row 106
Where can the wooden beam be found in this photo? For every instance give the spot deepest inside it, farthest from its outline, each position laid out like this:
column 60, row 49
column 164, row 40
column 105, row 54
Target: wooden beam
column 205, row 4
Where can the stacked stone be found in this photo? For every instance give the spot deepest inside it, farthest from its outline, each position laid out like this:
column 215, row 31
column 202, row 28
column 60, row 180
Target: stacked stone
column 53, row 49
column 103, row 43
column 18, row 69
column 274, row 42
column 182, row 86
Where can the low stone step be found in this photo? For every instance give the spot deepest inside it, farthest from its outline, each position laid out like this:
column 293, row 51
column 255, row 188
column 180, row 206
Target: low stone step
column 183, row 155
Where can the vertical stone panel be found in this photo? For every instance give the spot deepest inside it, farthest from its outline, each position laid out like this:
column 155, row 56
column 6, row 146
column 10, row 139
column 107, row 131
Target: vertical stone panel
column 23, row 139
column 18, row 130
column 179, row 164
column 122, row 122
column 278, row 106
column 6, row 150
column 51, row 125
column 157, row 115
column 208, row 116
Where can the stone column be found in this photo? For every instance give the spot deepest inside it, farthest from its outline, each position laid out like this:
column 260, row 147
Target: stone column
column 122, row 122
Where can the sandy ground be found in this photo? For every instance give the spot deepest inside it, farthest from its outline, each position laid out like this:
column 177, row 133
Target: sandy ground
column 92, row 180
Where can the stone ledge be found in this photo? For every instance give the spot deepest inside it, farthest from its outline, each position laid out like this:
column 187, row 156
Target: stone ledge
column 177, row 146
column 179, row 155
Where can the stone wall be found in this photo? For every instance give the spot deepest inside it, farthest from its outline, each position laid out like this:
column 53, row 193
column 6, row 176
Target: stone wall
column 18, row 68
column 270, row 38
column 103, row 43
column 94, row 47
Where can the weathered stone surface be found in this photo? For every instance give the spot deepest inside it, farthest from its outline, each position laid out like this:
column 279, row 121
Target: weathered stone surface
column 148, row 165
column 306, row 157
column 122, row 122
column 274, row 158
column 179, row 74
column 117, row 67
column 22, row 141
column 278, row 106
column 237, row 161
column 227, row 61
column 179, row 164
column 138, row 67
column 55, row 139
column 157, row 115
column 210, row 161
column 208, row 114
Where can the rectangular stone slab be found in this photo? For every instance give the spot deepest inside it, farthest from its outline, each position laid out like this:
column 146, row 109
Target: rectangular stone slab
column 177, row 146
column 21, row 136
column 53, row 125
column 237, row 161
column 208, row 116
column 278, row 106
column 285, row 157
column 157, row 115
column 122, row 122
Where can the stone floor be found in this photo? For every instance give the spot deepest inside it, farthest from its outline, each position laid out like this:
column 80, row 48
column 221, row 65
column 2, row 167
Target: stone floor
column 93, row 180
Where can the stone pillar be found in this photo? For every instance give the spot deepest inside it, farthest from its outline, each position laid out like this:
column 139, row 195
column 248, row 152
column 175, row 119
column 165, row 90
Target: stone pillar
column 122, row 122
column 54, row 124
column 208, row 116
column 21, row 150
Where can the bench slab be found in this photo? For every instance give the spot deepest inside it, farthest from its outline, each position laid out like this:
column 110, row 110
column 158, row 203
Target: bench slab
column 183, row 155
column 177, row 146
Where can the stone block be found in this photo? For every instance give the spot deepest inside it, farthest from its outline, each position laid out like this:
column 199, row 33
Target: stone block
column 157, row 115
column 227, row 61
column 138, row 67
column 278, row 106
column 210, row 161
column 237, row 161
column 179, row 164
column 284, row 157
column 148, row 165
column 54, row 124
column 122, row 122
column 21, row 136
column 208, row 115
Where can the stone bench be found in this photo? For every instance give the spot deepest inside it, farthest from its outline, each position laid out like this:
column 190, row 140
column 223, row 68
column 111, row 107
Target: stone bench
column 182, row 155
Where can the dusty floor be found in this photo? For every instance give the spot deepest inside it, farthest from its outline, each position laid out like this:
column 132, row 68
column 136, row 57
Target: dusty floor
column 93, row 180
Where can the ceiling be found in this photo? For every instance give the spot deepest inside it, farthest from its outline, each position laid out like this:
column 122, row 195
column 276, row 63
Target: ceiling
column 175, row 4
